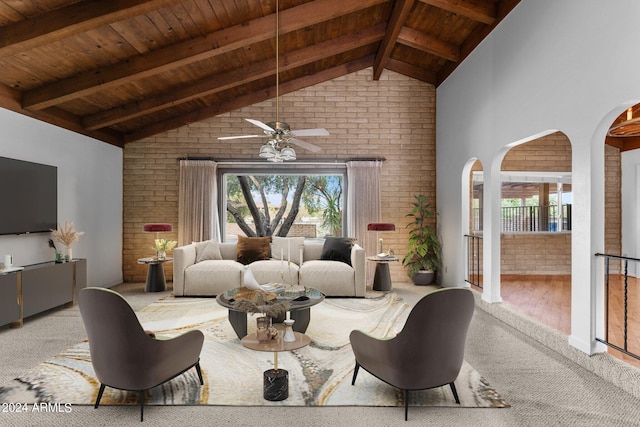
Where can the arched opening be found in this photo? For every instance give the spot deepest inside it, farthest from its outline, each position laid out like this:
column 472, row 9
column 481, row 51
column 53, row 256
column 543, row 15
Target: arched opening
column 621, row 236
column 472, row 223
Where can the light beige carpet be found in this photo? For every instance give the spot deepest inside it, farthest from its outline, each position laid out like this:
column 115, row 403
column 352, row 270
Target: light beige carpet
column 319, row 374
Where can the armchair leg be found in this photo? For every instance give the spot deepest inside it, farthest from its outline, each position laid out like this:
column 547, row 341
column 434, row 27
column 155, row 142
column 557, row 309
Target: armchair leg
column 141, row 405
column 199, row 373
column 406, row 405
column 99, row 396
column 455, row 393
column 355, row 373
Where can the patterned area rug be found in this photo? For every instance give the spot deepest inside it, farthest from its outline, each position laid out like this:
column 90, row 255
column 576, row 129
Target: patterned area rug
column 319, row 374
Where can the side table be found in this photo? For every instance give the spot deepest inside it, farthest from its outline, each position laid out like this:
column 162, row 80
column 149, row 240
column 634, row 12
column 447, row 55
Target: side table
column 382, row 277
column 276, row 380
column 155, row 274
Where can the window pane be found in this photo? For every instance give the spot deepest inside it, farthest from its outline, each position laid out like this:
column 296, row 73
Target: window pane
column 262, row 204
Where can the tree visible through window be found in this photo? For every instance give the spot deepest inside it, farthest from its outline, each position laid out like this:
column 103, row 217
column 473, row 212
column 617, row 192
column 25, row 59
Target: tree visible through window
column 260, row 205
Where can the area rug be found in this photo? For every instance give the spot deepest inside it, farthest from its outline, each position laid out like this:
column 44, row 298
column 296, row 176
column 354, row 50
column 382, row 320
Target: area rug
column 319, row 374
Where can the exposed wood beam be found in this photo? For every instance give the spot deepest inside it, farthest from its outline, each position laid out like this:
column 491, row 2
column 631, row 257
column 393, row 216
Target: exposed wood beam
column 184, row 53
column 396, row 22
column 484, row 13
column 247, row 100
column 10, row 99
column 71, row 20
column 412, row 71
column 238, row 77
column 429, row 44
column 475, row 38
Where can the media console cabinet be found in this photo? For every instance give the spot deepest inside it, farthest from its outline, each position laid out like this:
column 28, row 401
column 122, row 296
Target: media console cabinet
column 38, row 288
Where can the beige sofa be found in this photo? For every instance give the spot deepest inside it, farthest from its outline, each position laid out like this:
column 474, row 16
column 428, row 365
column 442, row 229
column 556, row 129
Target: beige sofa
column 212, row 277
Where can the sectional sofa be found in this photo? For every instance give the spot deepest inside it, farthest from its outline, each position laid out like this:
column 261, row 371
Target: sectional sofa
column 209, row 268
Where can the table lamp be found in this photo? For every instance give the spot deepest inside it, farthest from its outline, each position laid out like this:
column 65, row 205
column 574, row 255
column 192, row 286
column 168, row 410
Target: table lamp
column 378, row 227
column 157, row 228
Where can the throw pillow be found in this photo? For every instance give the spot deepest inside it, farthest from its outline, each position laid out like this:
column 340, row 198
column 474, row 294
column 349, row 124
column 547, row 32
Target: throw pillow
column 209, row 249
column 337, row 249
column 285, row 246
column 251, row 249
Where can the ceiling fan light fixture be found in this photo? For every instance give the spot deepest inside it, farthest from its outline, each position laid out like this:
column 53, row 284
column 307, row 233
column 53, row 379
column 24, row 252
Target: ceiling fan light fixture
column 288, row 153
column 267, row 151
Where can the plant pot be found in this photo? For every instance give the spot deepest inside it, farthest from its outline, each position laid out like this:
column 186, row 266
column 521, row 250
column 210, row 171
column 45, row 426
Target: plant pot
column 424, row 277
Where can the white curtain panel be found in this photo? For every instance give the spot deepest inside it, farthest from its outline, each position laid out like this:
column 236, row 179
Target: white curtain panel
column 198, row 202
column 364, row 205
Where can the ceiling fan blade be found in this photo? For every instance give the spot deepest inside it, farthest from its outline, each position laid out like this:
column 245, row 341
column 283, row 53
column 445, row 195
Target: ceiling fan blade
column 305, row 145
column 260, row 125
column 310, row 132
column 240, row 137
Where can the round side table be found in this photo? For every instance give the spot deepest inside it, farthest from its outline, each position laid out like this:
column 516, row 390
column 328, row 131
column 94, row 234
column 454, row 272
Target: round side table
column 155, row 274
column 276, row 380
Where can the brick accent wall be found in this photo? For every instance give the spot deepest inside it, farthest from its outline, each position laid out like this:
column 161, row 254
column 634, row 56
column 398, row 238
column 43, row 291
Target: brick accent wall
column 393, row 118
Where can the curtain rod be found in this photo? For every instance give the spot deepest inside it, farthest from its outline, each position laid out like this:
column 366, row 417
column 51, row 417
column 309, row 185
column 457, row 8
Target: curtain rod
column 260, row 162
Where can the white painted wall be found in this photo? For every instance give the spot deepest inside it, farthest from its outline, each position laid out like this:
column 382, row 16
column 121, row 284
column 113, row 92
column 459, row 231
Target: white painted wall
column 565, row 65
column 89, row 194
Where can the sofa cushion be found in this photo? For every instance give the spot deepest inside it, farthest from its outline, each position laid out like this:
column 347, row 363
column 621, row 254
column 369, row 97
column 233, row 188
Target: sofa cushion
column 285, row 246
column 276, row 271
column 337, row 249
column 211, row 277
column 333, row 278
column 250, row 249
column 209, row 249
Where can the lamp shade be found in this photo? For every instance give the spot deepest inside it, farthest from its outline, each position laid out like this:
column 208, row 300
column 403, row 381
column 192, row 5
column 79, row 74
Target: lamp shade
column 381, row 226
column 157, row 228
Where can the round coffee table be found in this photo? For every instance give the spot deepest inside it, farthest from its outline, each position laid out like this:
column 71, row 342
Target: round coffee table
column 276, row 380
column 300, row 309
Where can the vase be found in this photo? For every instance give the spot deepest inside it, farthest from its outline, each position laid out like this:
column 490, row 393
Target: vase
column 289, row 336
column 68, row 256
column 162, row 255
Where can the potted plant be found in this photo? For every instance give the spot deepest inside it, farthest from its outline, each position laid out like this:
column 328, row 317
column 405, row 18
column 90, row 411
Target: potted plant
column 423, row 257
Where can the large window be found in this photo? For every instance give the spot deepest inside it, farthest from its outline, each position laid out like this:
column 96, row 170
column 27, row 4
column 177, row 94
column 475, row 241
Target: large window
column 281, row 202
column 531, row 202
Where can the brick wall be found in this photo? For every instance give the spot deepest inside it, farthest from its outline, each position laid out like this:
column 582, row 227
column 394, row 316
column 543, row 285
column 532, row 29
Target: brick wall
column 392, row 118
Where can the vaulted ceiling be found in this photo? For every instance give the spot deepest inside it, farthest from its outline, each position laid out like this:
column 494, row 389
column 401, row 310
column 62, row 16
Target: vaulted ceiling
column 123, row 70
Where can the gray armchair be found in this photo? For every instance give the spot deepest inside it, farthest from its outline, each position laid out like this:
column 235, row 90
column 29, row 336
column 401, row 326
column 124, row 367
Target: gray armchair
column 123, row 355
column 429, row 350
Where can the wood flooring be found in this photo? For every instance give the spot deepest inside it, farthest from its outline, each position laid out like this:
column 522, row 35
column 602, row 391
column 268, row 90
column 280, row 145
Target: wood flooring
column 547, row 298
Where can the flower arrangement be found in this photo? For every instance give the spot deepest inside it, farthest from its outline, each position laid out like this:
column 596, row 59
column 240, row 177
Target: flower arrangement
column 66, row 235
column 162, row 246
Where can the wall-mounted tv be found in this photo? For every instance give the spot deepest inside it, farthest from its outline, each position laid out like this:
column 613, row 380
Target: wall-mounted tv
column 29, row 193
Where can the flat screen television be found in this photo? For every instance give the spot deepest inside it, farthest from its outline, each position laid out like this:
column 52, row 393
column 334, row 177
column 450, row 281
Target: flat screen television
column 29, row 197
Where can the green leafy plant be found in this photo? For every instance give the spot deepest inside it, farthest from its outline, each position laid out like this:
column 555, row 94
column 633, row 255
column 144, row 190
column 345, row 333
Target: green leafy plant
column 424, row 249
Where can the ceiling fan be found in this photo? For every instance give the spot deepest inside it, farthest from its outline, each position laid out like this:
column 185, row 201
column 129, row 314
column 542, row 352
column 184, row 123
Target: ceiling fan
column 280, row 136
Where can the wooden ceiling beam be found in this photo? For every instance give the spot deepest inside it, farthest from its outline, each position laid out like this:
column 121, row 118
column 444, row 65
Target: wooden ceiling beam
column 429, row 44
column 235, row 78
column 484, row 12
column 475, row 38
column 396, row 22
column 251, row 99
column 69, row 21
column 412, row 71
column 188, row 52
column 10, row 99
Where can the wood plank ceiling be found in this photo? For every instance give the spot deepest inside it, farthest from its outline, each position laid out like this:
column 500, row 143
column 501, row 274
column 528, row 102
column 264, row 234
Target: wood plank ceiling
column 123, row 70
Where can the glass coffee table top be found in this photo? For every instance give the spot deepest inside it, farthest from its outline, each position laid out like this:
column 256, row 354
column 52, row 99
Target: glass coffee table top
column 298, row 299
